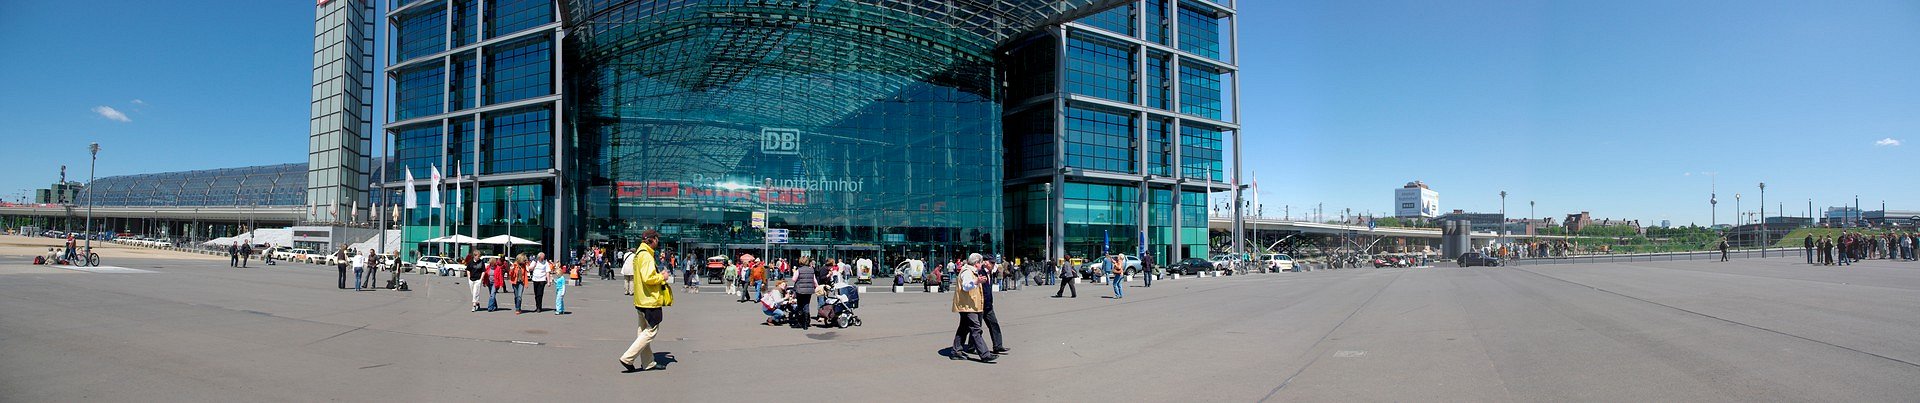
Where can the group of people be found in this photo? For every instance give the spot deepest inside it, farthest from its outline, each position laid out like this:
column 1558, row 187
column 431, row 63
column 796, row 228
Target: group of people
column 239, row 253
column 517, row 275
column 973, row 301
column 1851, row 247
column 345, row 258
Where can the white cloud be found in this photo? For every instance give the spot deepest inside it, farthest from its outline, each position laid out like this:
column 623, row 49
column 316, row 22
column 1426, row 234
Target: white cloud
column 1887, row 142
column 139, row 102
column 111, row 114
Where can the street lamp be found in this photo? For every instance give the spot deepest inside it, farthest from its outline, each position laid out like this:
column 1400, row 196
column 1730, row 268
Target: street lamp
column 1530, row 217
column 1736, row 211
column 1503, row 213
column 1763, row 219
column 93, row 151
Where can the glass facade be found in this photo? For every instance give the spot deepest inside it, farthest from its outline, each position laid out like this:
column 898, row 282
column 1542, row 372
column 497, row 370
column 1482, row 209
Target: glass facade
column 267, row 185
column 902, row 128
column 863, row 142
column 1138, row 142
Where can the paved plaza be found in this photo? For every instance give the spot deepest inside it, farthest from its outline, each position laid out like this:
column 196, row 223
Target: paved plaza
column 1749, row 330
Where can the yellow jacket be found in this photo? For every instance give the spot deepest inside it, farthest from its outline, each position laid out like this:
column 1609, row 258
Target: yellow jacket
column 650, row 288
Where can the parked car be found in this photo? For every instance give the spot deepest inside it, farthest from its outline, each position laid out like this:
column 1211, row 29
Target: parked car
column 1471, row 259
column 1277, row 262
column 1191, row 266
column 1099, row 268
column 440, row 264
column 292, row 254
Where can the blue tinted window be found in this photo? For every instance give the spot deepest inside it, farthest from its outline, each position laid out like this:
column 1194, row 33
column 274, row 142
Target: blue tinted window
column 519, row 71
column 462, row 84
column 1159, row 84
column 1199, row 33
column 420, row 33
column 1199, row 91
column 1118, row 19
column 466, row 22
column 1157, row 21
column 416, row 92
column 417, row 148
column 509, row 16
column 1159, row 147
column 1100, row 70
column 1099, row 140
column 518, row 141
column 1200, row 153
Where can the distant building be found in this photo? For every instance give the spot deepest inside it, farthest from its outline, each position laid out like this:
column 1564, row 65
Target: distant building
column 58, row 193
column 1789, row 222
column 1577, row 222
column 1416, row 200
column 1883, row 218
column 1666, row 223
column 1839, row 216
column 1481, row 222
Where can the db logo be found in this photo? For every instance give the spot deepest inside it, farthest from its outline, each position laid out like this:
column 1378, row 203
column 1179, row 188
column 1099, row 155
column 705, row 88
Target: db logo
column 779, row 141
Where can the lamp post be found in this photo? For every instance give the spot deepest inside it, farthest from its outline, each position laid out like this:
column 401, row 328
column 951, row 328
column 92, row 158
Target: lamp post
column 1736, row 211
column 1530, row 217
column 508, row 252
column 1763, row 219
column 93, row 160
column 1503, row 213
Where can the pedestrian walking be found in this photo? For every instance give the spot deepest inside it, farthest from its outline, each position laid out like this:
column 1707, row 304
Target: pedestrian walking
column 1067, row 276
column 987, row 318
column 968, row 302
column 1807, row 247
column 246, row 254
column 496, row 280
column 340, row 265
column 651, row 295
column 359, row 262
column 1146, row 262
column 560, row 286
column 539, row 271
column 233, row 255
column 1118, row 274
column 804, row 282
column 517, row 280
column 626, row 271
column 1723, row 249
column 475, row 278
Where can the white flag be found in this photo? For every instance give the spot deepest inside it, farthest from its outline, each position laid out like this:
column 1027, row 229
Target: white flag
column 353, row 212
column 456, row 190
column 433, row 197
column 411, row 201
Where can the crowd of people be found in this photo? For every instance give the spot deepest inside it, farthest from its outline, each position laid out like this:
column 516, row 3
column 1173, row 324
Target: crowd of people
column 520, row 275
column 1849, row 247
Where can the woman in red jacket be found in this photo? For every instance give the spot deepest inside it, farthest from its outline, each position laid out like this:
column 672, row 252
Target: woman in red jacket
column 496, row 280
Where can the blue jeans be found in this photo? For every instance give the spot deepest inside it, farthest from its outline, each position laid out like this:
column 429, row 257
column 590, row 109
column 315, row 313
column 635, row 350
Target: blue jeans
column 356, row 277
column 516, row 296
column 559, row 296
column 493, row 299
column 1118, row 282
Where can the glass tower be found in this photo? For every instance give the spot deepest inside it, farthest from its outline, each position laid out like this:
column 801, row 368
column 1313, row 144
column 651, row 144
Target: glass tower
column 1117, row 125
column 340, row 135
column 474, row 92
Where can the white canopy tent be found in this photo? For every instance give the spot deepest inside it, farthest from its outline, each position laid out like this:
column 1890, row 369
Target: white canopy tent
column 454, row 239
column 506, row 239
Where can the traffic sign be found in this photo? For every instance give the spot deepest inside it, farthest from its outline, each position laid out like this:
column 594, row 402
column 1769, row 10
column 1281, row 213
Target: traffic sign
column 777, row 235
column 759, row 219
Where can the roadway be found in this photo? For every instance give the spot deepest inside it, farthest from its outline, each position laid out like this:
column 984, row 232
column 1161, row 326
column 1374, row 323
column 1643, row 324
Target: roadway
column 1750, row 330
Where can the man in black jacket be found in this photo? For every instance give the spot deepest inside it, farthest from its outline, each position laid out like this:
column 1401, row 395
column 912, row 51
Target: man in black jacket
column 340, row 263
column 1066, row 275
column 1808, row 246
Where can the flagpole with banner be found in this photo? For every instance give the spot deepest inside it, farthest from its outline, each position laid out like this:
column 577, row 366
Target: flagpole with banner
column 433, row 202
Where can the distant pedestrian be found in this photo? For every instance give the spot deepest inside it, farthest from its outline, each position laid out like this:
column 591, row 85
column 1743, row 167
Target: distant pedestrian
column 246, row 254
column 968, row 301
column 1067, row 276
column 496, row 280
column 1146, row 262
column 266, row 256
column 517, row 280
column 340, row 263
column 1723, row 250
column 476, row 278
column 233, row 255
column 359, row 262
column 1807, row 247
column 560, row 287
column 651, row 294
column 626, row 271
column 1118, row 273
column 539, row 271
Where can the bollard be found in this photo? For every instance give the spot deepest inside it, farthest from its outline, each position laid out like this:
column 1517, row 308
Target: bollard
column 863, row 289
column 1176, row 276
column 899, row 289
column 996, row 287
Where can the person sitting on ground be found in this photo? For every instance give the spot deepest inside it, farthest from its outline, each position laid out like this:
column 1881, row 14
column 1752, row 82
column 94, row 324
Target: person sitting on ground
column 774, row 303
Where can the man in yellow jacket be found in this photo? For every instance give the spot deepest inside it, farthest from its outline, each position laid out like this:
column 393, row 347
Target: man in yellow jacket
column 650, row 294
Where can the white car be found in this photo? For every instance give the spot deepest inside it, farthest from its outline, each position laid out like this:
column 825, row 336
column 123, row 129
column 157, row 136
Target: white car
column 1276, row 262
column 292, row 254
column 1098, row 267
column 440, row 264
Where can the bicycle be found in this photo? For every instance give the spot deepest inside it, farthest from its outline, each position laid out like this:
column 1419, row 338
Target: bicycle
column 89, row 259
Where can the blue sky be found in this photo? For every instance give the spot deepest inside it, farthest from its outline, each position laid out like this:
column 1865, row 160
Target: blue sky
column 1621, row 108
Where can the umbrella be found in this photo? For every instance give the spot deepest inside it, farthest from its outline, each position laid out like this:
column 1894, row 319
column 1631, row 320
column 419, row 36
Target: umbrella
column 453, row 239
column 505, row 239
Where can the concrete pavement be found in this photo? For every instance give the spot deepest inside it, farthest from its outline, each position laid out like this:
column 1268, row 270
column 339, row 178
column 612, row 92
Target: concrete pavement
column 1761, row 329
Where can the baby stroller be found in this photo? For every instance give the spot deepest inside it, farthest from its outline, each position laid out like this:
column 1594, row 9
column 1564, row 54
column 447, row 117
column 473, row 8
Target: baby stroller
column 838, row 309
